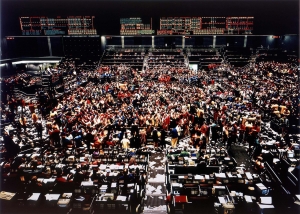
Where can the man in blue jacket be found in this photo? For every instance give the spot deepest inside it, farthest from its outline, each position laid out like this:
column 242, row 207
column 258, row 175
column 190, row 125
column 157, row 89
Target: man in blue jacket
column 174, row 136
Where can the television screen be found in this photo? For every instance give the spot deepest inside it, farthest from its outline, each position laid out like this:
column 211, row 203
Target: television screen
column 241, row 181
column 220, row 192
column 225, row 181
column 290, row 154
column 265, row 191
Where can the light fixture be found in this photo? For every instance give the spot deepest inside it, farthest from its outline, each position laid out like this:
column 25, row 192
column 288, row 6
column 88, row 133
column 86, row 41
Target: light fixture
column 35, row 61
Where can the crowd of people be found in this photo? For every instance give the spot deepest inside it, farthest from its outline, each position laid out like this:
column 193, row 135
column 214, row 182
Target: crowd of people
column 119, row 106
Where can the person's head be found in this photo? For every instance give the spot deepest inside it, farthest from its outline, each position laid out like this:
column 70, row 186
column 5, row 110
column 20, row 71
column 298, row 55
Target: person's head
column 33, row 178
column 59, row 172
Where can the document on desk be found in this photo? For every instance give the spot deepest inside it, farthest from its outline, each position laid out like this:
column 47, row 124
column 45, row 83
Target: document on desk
column 121, row 198
column 87, row 183
column 265, row 206
column 222, row 200
column 52, row 197
column 102, row 166
column 249, row 176
column 104, row 186
column 220, row 175
column 6, row 195
column 67, row 195
column 49, row 180
column 113, row 167
column 266, row 200
column 34, row 197
column 248, row 199
column 199, row 177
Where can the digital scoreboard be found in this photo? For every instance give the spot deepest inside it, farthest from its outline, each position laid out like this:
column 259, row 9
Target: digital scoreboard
column 179, row 25
column 205, row 25
column 71, row 25
column 135, row 26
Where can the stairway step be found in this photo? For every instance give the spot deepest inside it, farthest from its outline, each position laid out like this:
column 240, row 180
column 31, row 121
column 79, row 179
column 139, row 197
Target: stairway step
column 155, row 212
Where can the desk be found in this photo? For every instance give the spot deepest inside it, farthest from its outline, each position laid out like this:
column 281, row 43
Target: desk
column 180, row 199
column 179, row 202
column 65, row 200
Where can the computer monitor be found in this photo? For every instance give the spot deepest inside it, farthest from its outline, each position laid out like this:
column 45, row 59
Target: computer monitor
column 241, row 181
column 225, row 181
column 290, row 154
column 108, row 196
column 205, row 191
column 220, row 192
column 77, row 190
column 176, row 188
column 89, row 187
column 261, row 189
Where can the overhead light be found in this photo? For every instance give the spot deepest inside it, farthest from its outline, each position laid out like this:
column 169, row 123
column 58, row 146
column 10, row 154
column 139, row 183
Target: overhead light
column 35, row 61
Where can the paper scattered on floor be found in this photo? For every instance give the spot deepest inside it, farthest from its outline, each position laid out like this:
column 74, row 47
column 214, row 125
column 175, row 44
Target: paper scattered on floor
column 161, row 207
column 158, row 178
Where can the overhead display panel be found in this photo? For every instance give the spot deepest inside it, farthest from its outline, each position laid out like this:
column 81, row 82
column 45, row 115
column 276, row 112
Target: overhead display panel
column 46, row 26
column 205, row 25
column 135, row 26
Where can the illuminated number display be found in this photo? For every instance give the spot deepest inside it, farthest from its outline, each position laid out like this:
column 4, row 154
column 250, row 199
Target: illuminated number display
column 72, row 25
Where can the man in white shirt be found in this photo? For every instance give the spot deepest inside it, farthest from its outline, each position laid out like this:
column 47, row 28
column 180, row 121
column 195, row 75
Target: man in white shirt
column 125, row 143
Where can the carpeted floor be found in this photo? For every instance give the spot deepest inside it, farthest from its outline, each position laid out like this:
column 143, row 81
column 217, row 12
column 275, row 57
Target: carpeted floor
column 239, row 153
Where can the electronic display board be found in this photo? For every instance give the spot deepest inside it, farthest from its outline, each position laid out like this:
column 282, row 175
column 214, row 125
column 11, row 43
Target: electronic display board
column 135, row 26
column 46, row 26
column 205, row 25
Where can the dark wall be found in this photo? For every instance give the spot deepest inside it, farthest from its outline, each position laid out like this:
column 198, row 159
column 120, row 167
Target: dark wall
column 113, row 41
column 129, row 41
column 82, row 46
column 91, row 46
column 27, row 47
column 57, row 46
column 147, row 41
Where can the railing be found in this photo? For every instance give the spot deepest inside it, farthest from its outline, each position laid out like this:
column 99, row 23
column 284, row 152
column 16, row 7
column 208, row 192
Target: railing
column 101, row 58
column 17, row 91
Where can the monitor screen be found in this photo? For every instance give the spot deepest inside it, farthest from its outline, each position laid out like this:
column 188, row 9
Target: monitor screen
column 240, row 181
column 225, row 181
column 108, row 196
column 220, row 192
column 265, row 191
column 77, row 190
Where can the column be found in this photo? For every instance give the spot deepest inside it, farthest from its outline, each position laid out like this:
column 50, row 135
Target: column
column 49, row 46
column 245, row 41
column 152, row 41
column 214, row 41
column 183, row 41
column 122, row 41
